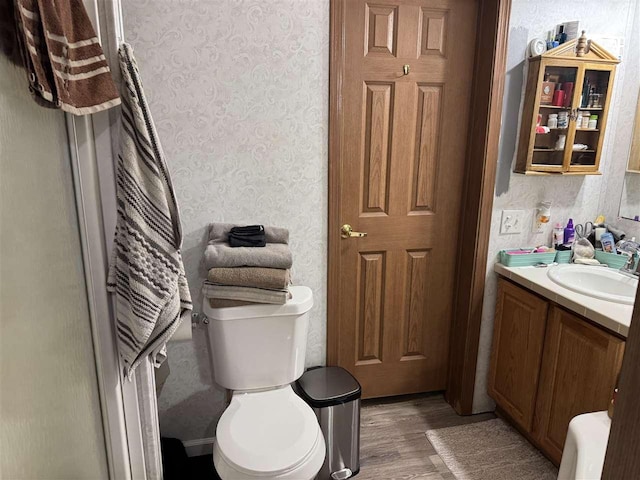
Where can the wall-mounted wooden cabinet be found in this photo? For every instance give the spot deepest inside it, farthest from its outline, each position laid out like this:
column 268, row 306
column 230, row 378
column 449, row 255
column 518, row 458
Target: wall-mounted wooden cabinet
column 548, row 365
column 562, row 89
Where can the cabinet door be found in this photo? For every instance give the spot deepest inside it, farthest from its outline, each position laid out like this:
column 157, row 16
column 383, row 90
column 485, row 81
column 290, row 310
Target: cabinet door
column 518, row 338
column 596, row 86
column 552, row 150
column 579, row 369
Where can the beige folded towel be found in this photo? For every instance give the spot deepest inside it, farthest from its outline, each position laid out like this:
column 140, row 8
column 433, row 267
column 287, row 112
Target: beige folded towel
column 246, row 294
column 269, row 278
column 272, row 255
column 223, row 303
column 65, row 63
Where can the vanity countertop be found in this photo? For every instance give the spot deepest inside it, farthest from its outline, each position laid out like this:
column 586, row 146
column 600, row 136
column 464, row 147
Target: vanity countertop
column 613, row 316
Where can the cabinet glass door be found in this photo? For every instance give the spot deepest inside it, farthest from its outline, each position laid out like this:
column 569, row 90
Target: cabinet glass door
column 555, row 104
column 590, row 117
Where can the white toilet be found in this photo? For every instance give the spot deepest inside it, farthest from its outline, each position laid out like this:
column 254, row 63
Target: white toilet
column 267, row 432
column 585, row 447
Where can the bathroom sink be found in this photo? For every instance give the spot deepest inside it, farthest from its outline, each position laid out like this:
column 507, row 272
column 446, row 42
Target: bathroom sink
column 599, row 282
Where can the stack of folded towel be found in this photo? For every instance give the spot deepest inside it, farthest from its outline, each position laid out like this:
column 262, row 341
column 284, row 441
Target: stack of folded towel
column 247, row 265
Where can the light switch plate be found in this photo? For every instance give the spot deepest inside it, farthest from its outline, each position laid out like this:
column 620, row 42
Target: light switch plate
column 512, row 222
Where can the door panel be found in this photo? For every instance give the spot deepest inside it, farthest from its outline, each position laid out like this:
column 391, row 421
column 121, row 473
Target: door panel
column 416, row 305
column 403, row 154
column 377, row 142
column 428, row 120
column 372, row 273
column 433, row 31
column 380, row 29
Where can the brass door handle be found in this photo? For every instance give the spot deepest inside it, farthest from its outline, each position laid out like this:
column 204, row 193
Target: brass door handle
column 346, row 231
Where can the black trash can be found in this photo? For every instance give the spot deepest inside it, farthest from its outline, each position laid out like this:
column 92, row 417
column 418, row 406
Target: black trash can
column 334, row 395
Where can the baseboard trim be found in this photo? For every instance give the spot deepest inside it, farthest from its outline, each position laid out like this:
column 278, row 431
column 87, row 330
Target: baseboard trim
column 200, row 446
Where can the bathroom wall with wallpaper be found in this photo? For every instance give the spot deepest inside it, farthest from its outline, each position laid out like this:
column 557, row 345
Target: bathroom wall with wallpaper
column 239, row 92
column 581, row 198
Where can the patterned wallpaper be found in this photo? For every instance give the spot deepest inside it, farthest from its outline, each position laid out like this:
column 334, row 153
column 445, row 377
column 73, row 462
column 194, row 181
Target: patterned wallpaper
column 239, row 93
column 577, row 197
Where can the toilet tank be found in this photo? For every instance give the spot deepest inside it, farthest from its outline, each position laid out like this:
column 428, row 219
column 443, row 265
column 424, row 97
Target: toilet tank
column 259, row 346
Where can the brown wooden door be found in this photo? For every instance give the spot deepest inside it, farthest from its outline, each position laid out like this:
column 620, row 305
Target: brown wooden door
column 402, row 159
column 516, row 354
column 580, row 364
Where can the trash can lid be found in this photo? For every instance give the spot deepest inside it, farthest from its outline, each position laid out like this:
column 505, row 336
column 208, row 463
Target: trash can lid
column 328, row 386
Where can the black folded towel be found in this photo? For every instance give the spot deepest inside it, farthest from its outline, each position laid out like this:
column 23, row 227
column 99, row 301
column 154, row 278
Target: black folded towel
column 248, row 230
column 249, row 236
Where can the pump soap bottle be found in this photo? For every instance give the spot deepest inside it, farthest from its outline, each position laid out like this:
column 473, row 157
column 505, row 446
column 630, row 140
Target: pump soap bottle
column 569, row 233
column 558, row 235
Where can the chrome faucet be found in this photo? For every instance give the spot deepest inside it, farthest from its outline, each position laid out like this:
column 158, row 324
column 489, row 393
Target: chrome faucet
column 631, row 249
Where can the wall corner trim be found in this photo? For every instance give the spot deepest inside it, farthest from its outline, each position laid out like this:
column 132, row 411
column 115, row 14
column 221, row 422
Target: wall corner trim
column 475, row 222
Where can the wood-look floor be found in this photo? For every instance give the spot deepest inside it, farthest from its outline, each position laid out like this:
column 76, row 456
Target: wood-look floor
column 393, row 444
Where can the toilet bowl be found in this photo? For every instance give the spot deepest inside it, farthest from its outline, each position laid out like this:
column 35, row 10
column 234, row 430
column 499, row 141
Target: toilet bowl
column 271, row 434
column 585, row 447
column 267, row 431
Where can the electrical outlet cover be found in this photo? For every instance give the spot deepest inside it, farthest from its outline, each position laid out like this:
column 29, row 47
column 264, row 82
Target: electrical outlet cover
column 512, row 222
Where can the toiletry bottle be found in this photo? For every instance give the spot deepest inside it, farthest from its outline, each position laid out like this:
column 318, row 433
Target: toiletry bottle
column 592, row 97
column 558, row 235
column 599, row 232
column 568, row 93
column 608, row 243
column 569, row 232
column 558, row 97
column 549, row 40
column 584, row 100
column 563, row 119
column 584, row 120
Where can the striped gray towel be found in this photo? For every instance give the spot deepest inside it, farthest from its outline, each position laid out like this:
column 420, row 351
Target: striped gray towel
column 146, row 273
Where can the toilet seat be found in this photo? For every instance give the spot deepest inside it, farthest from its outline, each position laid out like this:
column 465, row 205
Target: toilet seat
column 271, row 433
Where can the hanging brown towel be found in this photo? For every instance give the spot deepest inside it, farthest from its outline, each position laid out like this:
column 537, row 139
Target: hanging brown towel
column 65, row 63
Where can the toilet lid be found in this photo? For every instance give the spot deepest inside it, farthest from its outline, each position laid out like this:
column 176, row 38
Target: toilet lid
column 271, row 431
